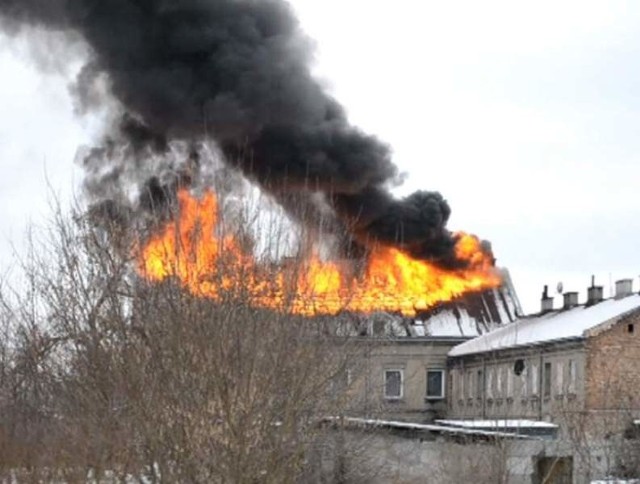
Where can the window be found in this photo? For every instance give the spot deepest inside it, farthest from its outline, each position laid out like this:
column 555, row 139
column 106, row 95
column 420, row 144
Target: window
column 499, row 382
column 534, row 380
column 379, row 328
column 393, row 384
column 559, row 378
column 572, row 376
column 469, row 384
column 435, row 384
column 479, row 384
column 490, row 383
column 457, row 385
column 547, row 380
column 630, row 329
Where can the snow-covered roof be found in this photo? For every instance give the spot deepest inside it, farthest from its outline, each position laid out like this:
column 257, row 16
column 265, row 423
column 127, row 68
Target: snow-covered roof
column 424, row 427
column 552, row 326
column 446, row 323
column 499, row 424
column 617, row 481
column 471, row 314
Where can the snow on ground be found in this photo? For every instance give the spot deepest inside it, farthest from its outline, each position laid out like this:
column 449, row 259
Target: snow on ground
column 552, row 326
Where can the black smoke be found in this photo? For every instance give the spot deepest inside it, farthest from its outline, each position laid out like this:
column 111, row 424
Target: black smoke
column 238, row 71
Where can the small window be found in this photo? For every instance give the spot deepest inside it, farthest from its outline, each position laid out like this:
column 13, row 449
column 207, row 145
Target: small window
column 435, row 384
column 379, row 328
column 509, row 384
column 559, row 378
column 573, row 373
column 523, row 383
column 547, row 380
column 535, row 388
column 393, row 384
column 490, row 383
column 630, row 329
column 479, row 384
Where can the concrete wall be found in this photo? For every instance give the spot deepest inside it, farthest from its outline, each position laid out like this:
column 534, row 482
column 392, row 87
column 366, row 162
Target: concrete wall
column 383, row 457
column 487, row 386
column 413, row 357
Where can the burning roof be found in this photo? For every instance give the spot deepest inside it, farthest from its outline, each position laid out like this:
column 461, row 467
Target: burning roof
column 209, row 263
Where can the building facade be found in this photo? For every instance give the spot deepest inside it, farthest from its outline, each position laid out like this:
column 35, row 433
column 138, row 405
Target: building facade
column 578, row 360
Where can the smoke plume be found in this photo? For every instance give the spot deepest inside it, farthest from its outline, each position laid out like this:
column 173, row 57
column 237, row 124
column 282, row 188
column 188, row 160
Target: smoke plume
column 236, row 71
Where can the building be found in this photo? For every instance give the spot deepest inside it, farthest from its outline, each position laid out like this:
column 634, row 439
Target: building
column 581, row 359
column 566, row 378
column 406, row 367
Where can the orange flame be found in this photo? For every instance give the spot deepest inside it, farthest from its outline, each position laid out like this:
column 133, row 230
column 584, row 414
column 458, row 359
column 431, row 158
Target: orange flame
column 191, row 250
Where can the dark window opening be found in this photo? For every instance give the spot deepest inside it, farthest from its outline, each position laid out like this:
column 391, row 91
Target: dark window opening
column 630, row 329
column 393, row 384
column 547, row 380
column 518, row 367
column 435, row 384
column 379, row 328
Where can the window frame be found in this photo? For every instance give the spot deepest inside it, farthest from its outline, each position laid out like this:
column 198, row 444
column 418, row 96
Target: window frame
column 384, row 375
column 443, row 384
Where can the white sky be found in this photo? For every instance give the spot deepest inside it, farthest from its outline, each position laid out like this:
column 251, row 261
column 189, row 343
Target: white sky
column 525, row 115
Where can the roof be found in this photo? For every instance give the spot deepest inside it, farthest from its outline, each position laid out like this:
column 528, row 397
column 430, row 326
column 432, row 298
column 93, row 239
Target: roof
column 471, row 314
column 550, row 327
column 499, row 424
column 410, row 426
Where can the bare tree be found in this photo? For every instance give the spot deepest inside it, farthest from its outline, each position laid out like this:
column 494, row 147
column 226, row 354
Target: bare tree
column 108, row 375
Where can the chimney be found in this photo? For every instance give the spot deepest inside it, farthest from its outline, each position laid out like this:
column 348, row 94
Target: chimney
column 624, row 288
column 595, row 294
column 570, row 300
column 546, row 301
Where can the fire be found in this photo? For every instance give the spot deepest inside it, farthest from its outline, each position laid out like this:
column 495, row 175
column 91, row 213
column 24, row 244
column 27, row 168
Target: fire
column 211, row 264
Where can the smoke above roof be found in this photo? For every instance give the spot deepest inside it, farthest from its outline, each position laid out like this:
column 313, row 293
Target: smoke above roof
column 237, row 72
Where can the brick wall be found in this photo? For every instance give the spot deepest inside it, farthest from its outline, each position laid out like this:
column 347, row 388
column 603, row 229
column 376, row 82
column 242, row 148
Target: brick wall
column 613, row 367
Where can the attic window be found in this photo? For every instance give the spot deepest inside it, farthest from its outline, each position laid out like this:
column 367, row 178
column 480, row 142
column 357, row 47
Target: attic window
column 630, row 329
